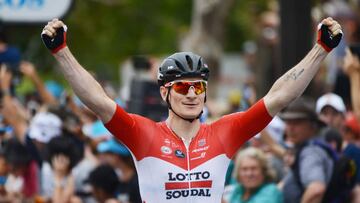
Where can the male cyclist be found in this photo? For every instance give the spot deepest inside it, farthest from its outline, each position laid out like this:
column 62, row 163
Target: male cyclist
column 180, row 159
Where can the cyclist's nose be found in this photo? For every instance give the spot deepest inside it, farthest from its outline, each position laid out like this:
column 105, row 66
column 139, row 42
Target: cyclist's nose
column 191, row 91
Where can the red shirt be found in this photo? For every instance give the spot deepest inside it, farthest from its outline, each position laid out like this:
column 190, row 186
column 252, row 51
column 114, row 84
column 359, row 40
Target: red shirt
column 170, row 171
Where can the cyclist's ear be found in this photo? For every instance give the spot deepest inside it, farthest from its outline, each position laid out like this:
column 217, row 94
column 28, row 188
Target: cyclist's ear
column 163, row 92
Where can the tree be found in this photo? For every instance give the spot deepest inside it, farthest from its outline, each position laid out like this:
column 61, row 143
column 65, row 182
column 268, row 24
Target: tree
column 104, row 33
column 206, row 35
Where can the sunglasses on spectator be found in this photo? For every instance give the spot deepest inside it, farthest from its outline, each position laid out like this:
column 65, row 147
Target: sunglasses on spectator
column 182, row 86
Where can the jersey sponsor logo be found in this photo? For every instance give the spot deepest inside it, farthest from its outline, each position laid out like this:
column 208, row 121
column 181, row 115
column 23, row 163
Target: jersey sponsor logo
column 202, row 155
column 202, row 142
column 167, row 142
column 188, row 184
column 186, row 193
column 174, row 145
column 189, row 176
column 200, row 149
column 166, row 150
column 179, row 154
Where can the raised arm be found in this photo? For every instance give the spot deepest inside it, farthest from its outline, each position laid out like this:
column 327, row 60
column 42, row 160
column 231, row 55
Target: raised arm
column 29, row 70
column 9, row 109
column 84, row 85
column 293, row 83
column 352, row 68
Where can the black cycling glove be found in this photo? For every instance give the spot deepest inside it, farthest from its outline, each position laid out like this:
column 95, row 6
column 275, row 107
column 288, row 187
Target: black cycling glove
column 326, row 39
column 58, row 42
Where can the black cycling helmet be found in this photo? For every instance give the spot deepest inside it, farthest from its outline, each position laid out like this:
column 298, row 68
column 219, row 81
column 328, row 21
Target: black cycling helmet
column 180, row 65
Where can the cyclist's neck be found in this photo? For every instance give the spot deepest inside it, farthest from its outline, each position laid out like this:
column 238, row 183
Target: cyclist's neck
column 182, row 128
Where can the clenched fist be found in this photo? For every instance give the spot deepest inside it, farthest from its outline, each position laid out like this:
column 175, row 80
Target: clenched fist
column 329, row 34
column 54, row 35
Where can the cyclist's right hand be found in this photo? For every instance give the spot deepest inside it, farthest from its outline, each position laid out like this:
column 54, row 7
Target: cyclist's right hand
column 54, row 35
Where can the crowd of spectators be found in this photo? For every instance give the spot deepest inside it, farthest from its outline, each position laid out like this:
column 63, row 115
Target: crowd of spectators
column 54, row 149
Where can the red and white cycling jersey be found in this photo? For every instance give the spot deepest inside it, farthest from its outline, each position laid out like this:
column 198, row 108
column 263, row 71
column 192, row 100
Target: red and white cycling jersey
column 171, row 171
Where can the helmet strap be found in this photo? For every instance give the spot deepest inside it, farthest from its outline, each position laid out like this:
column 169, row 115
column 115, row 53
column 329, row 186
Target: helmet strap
column 186, row 119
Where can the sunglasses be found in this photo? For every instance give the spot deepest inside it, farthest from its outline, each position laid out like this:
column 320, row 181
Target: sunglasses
column 182, row 87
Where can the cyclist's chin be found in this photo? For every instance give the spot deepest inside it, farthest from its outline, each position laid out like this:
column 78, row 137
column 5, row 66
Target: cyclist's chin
column 191, row 113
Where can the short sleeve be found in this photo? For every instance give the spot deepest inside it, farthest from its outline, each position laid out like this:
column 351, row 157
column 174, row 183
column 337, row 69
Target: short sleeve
column 313, row 165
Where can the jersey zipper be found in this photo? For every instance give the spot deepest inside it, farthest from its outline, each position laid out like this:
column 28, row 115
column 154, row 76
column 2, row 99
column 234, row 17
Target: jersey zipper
column 187, row 144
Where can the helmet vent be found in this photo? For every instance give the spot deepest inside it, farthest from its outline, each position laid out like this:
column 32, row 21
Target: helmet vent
column 179, row 65
column 199, row 65
column 189, row 62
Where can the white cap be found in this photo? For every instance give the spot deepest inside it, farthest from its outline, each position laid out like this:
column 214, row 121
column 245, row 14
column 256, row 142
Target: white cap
column 45, row 126
column 330, row 99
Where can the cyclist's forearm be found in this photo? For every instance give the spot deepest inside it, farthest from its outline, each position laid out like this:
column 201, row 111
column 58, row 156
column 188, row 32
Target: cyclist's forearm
column 293, row 83
column 85, row 86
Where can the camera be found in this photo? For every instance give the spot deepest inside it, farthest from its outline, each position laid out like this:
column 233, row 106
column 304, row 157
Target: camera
column 141, row 62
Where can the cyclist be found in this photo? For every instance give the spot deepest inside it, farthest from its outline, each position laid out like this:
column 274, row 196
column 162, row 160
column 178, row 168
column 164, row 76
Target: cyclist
column 180, row 159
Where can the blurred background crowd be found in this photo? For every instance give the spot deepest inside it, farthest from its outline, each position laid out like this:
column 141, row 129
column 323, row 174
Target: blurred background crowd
column 54, row 149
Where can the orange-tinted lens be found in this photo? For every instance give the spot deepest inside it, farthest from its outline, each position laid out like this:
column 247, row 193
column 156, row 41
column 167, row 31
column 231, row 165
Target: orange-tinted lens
column 182, row 87
column 200, row 87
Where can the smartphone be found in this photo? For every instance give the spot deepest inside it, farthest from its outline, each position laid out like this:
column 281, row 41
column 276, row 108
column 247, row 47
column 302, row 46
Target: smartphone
column 355, row 49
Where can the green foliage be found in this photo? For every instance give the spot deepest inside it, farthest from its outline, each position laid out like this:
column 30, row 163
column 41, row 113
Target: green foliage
column 101, row 36
column 243, row 21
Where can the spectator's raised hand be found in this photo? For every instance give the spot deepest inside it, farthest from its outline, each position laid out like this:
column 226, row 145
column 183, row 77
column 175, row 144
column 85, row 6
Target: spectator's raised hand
column 28, row 69
column 351, row 63
column 5, row 78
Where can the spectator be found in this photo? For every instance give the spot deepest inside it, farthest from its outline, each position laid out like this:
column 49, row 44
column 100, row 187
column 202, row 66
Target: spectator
column 104, row 182
column 33, row 135
column 115, row 154
column 22, row 181
column 254, row 176
column 58, row 183
column 309, row 174
column 331, row 110
column 333, row 138
column 3, row 176
column 43, row 127
column 352, row 68
column 352, row 140
column 11, row 57
column 72, row 128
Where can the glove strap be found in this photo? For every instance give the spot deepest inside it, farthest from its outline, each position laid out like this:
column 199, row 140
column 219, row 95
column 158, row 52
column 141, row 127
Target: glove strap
column 54, row 51
column 319, row 41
